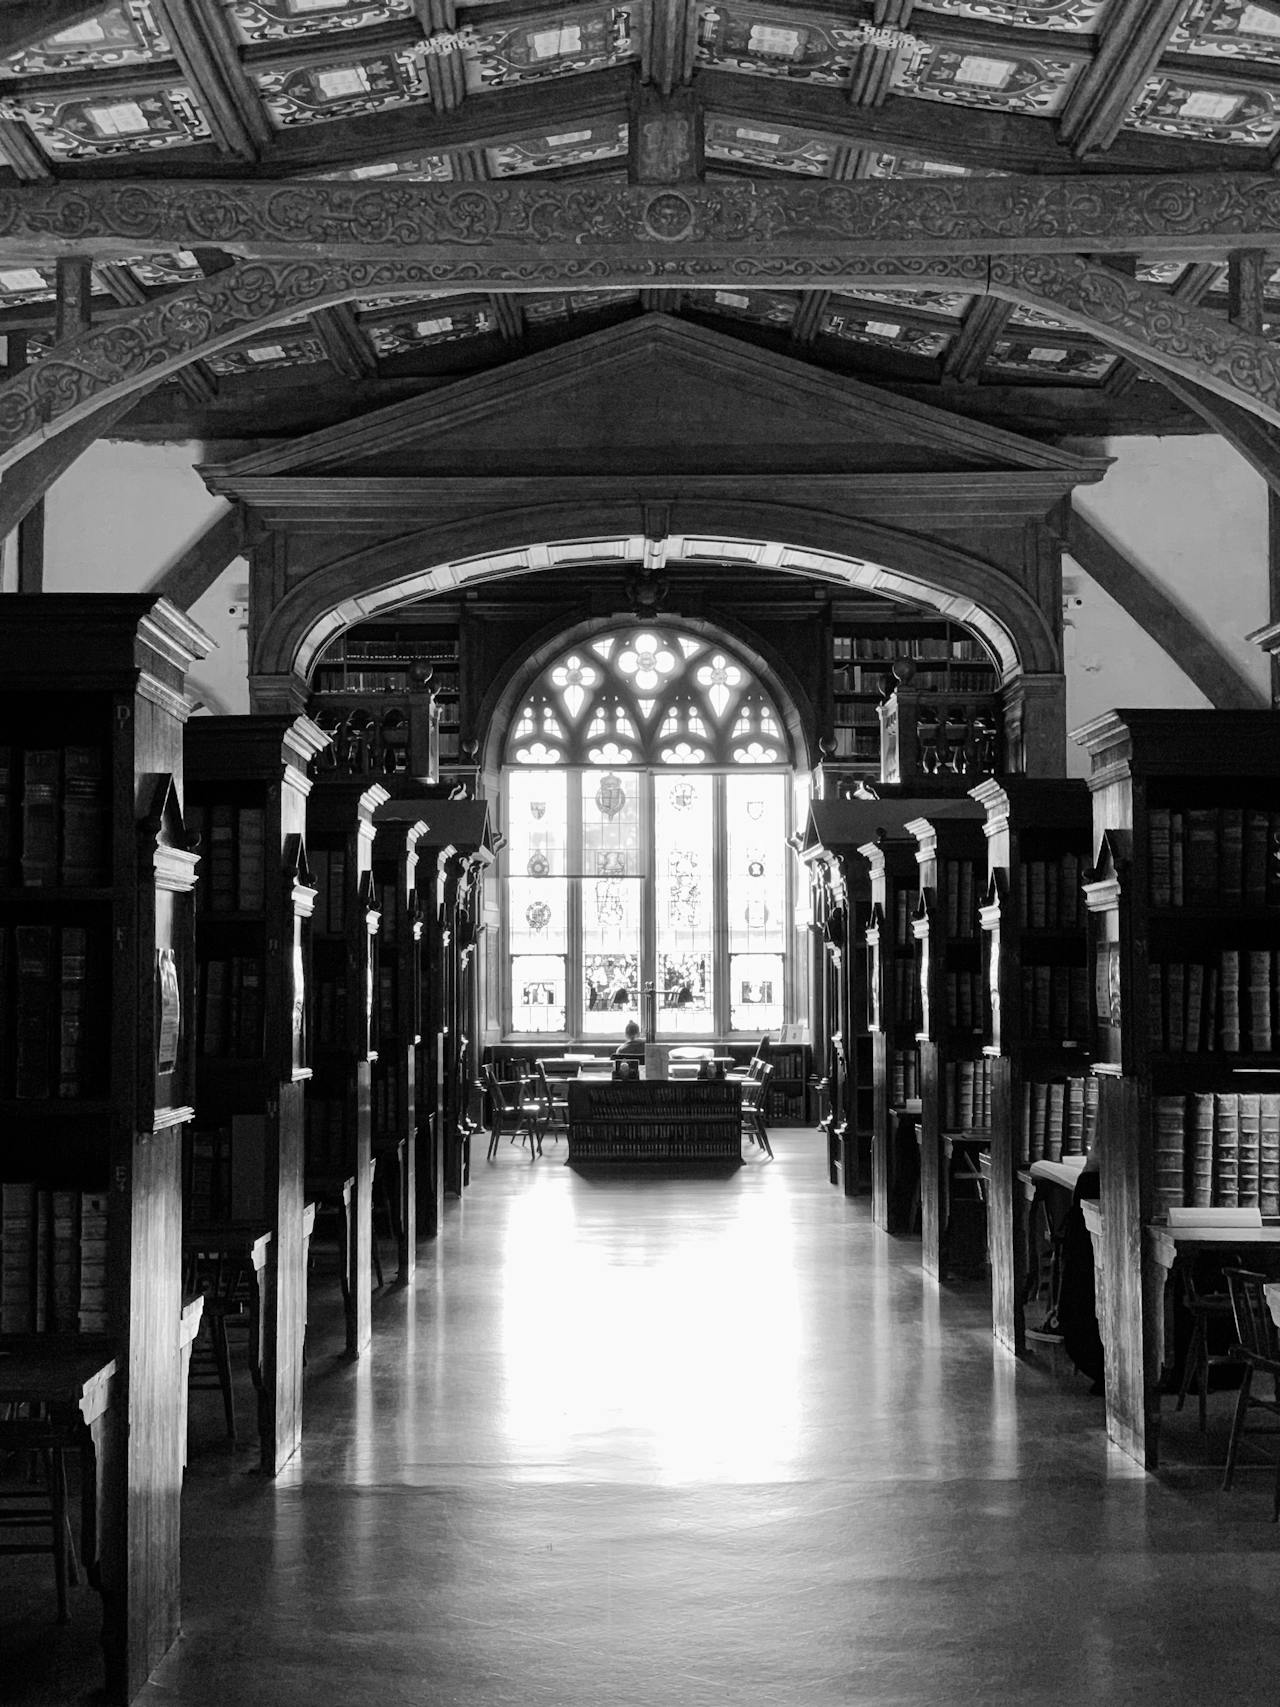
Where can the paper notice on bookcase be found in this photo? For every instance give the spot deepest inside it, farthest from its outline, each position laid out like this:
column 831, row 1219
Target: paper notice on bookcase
column 170, row 1005
column 1185, row 1217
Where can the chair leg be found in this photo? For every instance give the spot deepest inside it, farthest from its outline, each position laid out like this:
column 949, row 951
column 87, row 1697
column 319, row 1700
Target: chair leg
column 1191, row 1363
column 495, row 1132
column 222, row 1360
column 55, row 1477
column 1237, row 1426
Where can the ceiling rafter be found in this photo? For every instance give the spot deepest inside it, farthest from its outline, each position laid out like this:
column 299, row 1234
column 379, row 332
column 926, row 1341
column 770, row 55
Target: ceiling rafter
column 20, row 154
column 345, row 342
column 76, row 379
column 1191, row 287
column 1134, row 37
column 979, row 333
column 197, row 380
column 203, row 46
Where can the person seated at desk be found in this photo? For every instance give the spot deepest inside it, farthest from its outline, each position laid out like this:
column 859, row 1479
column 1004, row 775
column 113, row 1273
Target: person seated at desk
column 632, row 1046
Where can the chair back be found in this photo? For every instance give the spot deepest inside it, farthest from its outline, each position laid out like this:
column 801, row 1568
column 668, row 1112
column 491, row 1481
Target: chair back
column 504, row 1092
column 753, row 1090
column 626, row 1068
column 1255, row 1329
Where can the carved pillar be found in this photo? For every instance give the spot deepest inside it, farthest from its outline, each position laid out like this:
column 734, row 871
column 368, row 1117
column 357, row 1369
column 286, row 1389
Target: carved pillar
column 1035, row 724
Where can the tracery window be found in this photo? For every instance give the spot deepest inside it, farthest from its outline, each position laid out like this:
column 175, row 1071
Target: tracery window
column 646, row 777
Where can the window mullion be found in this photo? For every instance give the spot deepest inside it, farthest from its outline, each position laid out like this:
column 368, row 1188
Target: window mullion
column 719, row 914
column 573, row 851
column 649, row 907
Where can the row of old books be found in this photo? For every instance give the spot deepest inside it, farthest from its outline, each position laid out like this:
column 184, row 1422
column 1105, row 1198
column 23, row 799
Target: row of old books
column 906, row 992
column 966, row 1095
column 326, row 1132
column 786, row 1107
column 1213, row 856
column 962, row 999
column 958, row 879
column 232, row 848
column 330, row 1012
column 904, row 1076
column 1231, row 1004
column 55, row 809
column 1218, row 1150
column 53, row 1033
column 53, row 1260
column 905, row 902
column 232, row 1006
column 1058, row 1118
column 1055, row 1001
column 329, row 876
column 387, row 1110
column 1049, row 893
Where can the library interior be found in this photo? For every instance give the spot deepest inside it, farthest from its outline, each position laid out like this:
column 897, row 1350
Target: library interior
column 639, row 851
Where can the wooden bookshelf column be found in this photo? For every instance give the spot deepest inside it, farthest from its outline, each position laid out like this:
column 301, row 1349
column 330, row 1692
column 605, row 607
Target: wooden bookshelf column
column 955, row 1103
column 1036, row 1012
column 95, row 1062
column 247, row 788
column 399, row 1026
column 344, row 1046
column 893, row 1020
column 1184, row 932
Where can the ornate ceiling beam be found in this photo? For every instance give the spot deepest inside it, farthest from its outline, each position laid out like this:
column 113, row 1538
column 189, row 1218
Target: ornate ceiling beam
column 516, row 232
column 138, row 349
column 1135, row 35
column 666, row 54
column 1192, row 287
column 1257, row 442
column 204, row 48
column 20, row 153
column 963, row 136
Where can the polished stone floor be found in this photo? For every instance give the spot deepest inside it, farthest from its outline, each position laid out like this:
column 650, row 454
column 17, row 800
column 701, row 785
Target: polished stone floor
column 675, row 1443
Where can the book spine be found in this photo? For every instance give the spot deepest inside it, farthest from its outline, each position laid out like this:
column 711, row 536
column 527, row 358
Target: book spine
column 86, row 817
column 72, row 1018
column 17, row 1256
column 41, row 784
column 93, row 1312
column 35, row 1027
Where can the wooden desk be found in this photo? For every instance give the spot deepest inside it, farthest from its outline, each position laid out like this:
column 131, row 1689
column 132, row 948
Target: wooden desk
column 659, row 1124
column 78, row 1377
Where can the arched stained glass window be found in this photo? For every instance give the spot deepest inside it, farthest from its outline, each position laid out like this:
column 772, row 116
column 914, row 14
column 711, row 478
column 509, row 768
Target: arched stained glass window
column 654, row 694
column 647, row 806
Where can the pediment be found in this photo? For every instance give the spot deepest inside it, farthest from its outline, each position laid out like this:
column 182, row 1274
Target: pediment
column 655, row 396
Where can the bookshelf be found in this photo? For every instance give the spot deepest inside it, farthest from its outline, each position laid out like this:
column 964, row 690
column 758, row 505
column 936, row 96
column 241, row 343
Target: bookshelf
column 954, row 1075
column 345, row 973
column 940, row 659
column 1036, row 1009
column 893, row 1021
column 1184, row 933
column 400, row 1024
column 391, row 692
column 96, row 977
column 453, row 853
column 247, row 788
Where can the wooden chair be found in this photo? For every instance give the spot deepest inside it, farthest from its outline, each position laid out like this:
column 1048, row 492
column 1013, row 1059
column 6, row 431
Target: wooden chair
column 514, row 1111
column 626, row 1067
column 553, row 1103
column 228, row 1285
column 755, row 1094
column 1258, row 1349
column 1209, row 1311
column 41, row 1503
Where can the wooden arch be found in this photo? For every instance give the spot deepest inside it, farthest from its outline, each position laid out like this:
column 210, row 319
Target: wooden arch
column 793, row 539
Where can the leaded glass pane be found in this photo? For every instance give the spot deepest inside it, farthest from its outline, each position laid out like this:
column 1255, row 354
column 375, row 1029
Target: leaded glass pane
column 755, row 992
column 612, row 900
column 683, row 873
column 755, row 862
column 537, row 992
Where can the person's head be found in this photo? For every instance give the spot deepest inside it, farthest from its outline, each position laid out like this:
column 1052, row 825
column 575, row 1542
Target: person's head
column 631, row 1031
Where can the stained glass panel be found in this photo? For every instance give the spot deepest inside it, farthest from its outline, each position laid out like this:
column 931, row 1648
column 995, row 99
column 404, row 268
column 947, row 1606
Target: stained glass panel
column 755, row 871
column 612, row 900
column 537, row 992
column 683, row 871
column 755, row 992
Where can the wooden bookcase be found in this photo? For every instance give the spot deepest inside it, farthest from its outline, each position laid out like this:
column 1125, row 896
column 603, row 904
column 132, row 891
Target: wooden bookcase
column 344, row 941
column 954, row 1082
column 942, row 661
column 1184, row 933
column 453, row 854
column 96, row 978
column 247, row 788
column 399, row 1026
column 1036, row 1009
column 894, row 1021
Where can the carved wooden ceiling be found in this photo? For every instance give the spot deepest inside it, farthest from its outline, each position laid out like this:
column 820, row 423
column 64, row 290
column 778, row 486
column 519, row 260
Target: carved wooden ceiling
column 651, row 91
